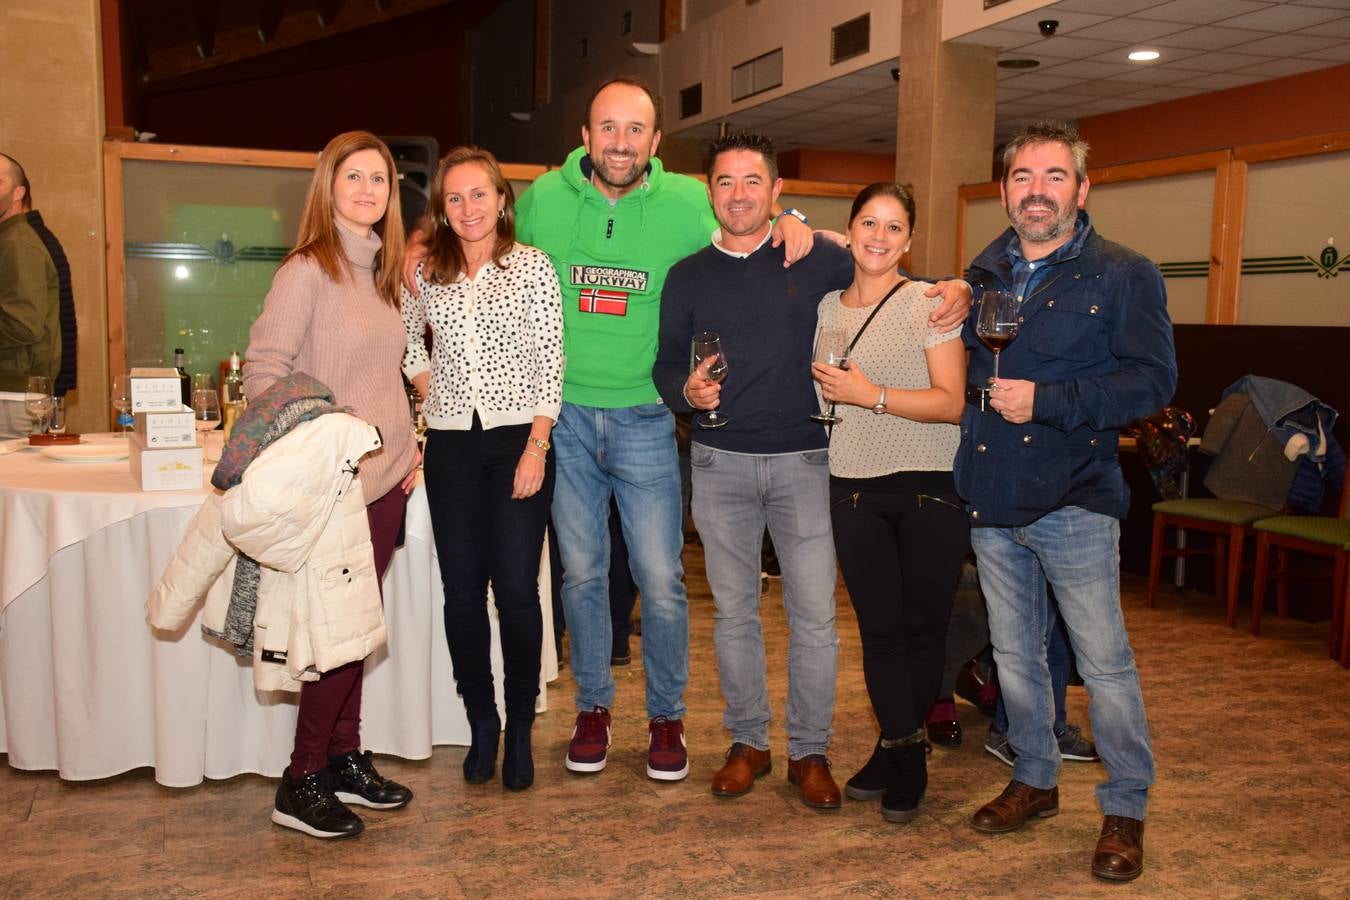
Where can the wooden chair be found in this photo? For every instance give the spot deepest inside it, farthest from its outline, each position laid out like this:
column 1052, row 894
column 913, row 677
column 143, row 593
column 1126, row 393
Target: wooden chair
column 1326, row 536
column 1230, row 521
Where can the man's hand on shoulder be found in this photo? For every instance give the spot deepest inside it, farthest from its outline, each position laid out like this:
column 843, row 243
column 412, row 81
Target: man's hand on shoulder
column 955, row 305
column 796, row 234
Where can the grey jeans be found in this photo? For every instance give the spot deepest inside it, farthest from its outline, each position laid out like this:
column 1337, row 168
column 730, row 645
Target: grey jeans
column 14, row 420
column 735, row 496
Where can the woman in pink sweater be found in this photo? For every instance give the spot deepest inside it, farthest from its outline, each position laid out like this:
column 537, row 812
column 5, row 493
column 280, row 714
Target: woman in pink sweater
column 333, row 313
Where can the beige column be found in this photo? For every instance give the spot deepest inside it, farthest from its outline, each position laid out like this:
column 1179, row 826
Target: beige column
column 945, row 132
column 51, row 121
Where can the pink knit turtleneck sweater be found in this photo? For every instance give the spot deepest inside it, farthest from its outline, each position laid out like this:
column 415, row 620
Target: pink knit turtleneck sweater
column 345, row 335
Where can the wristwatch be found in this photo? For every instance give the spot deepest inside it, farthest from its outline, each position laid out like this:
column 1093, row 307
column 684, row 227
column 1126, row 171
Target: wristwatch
column 541, row 443
column 795, row 213
column 880, row 406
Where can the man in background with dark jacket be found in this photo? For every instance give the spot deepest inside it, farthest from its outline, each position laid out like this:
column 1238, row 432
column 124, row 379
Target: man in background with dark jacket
column 30, row 293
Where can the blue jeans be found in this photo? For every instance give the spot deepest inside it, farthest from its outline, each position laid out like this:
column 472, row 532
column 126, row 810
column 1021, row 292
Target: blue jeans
column 627, row 453
column 1057, row 658
column 1078, row 553
column 735, row 496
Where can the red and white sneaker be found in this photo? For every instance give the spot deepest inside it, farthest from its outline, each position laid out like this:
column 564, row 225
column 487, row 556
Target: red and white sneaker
column 590, row 741
column 667, row 754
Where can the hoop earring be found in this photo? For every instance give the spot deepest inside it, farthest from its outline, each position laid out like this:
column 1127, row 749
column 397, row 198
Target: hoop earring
column 445, row 220
column 501, row 213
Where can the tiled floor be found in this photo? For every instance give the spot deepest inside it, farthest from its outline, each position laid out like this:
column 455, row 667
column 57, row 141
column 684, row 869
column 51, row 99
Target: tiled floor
column 1252, row 737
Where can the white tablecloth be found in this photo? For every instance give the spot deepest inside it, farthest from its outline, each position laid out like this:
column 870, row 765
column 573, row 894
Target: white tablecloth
column 87, row 689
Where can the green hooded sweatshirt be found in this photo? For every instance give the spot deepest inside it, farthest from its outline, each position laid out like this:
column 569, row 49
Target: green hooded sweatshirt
column 612, row 261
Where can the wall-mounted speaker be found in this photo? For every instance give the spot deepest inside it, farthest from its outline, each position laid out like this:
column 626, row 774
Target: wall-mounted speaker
column 416, row 159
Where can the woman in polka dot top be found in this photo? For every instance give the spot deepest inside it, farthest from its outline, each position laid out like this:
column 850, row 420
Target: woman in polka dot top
column 491, row 390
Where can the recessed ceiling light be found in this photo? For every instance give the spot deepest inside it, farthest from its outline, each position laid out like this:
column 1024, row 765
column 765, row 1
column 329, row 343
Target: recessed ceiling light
column 1144, row 55
column 1018, row 63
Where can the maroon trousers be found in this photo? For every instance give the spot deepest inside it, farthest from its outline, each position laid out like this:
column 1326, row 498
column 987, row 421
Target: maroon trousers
column 330, row 708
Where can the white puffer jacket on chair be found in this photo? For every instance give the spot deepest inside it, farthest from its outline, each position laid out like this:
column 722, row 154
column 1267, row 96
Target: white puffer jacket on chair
column 300, row 512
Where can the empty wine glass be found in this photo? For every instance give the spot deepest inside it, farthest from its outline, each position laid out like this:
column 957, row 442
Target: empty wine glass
column 37, row 401
column 998, row 322
column 708, row 345
column 121, row 401
column 831, row 350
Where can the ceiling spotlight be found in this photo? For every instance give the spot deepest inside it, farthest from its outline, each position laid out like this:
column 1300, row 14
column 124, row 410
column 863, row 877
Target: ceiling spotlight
column 1144, row 55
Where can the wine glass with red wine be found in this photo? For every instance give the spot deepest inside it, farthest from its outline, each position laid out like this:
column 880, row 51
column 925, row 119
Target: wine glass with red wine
column 998, row 322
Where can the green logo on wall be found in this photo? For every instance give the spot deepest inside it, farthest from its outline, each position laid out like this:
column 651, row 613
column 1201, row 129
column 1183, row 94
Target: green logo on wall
column 1330, row 263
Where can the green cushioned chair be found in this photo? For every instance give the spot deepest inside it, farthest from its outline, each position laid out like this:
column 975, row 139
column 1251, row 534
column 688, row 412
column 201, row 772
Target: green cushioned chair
column 1319, row 535
column 1230, row 521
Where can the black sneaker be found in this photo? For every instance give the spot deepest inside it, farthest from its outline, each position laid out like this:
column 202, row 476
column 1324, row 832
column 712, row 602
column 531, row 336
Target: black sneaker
column 309, row 805
column 356, row 781
column 1072, row 745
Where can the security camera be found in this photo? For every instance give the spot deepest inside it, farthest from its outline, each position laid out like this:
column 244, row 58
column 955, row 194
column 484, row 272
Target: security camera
column 1048, row 27
column 895, row 74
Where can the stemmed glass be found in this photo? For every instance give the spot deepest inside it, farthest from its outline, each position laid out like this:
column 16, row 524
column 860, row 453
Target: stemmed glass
column 121, row 401
column 998, row 322
column 707, row 345
column 205, row 409
column 206, row 418
column 37, row 400
column 831, row 350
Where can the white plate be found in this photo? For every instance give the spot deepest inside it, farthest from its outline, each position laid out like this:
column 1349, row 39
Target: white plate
column 87, row 453
column 11, row 445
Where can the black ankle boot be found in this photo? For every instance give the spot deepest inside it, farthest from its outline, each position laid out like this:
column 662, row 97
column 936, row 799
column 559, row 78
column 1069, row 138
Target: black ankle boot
column 909, row 762
column 517, row 761
column 481, row 762
column 872, row 779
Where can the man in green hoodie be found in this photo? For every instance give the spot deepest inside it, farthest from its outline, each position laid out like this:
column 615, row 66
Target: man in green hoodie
column 613, row 221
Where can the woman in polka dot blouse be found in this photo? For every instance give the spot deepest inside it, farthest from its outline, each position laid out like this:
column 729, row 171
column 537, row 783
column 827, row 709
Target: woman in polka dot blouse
column 491, row 390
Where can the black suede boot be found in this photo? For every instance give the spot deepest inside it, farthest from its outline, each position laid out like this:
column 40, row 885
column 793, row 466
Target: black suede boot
column 872, row 779
column 908, row 758
column 517, row 760
column 481, row 762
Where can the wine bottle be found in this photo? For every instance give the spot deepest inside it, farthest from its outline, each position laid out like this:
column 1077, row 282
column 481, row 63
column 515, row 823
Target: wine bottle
column 184, row 382
column 232, row 394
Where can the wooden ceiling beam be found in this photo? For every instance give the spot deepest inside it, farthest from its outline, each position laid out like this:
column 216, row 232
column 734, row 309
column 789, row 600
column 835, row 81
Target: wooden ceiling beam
column 276, row 28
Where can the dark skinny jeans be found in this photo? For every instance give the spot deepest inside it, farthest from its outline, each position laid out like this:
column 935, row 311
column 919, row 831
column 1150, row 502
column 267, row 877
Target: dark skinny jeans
column 329, row 721
column 900, row 540
column 483, row 536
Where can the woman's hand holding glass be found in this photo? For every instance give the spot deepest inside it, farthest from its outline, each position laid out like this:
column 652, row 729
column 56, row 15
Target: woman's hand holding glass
column 848, row 384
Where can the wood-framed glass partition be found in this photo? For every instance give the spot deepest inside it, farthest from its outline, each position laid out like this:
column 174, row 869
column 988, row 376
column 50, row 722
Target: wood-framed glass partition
column 195, row 235
column 1245, row 235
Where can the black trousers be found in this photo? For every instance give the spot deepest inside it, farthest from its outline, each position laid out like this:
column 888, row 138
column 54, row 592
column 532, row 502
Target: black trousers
column 483, row 536
column 900, row 540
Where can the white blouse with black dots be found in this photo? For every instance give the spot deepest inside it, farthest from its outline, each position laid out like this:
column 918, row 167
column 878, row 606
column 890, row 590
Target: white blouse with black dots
column 496, row 346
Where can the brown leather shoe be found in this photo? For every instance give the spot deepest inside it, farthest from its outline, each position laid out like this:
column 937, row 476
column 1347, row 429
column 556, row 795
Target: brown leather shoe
column 744, row 764
column 812, row 776
column 1120, row 849
column 1010, row 810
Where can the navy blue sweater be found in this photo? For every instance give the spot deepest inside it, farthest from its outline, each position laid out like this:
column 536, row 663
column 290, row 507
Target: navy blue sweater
column 766, row 316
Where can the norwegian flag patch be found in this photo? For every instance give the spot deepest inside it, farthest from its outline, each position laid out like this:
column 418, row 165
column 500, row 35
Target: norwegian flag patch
column 609, row 303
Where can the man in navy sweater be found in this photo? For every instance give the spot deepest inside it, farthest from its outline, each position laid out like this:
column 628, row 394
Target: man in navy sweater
column 767, row 465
